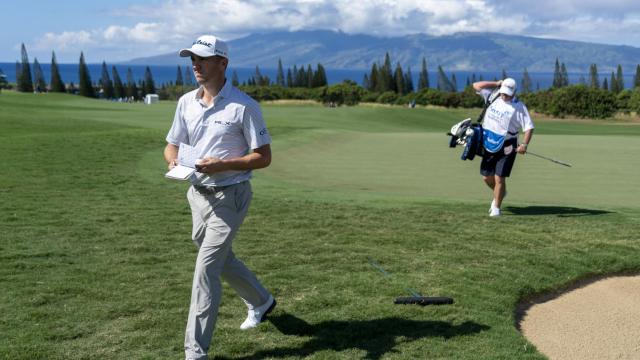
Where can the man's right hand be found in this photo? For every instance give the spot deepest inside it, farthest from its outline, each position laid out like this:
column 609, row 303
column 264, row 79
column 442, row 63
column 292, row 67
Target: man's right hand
column 173, row 163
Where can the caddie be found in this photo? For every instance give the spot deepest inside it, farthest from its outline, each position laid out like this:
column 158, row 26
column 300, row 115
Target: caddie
column 502, row 121
column 229, row 134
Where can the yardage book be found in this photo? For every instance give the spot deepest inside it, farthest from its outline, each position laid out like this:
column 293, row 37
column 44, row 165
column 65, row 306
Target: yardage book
column 186, row 168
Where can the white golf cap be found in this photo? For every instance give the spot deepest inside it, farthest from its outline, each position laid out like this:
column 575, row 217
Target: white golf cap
column 508, row 87
column 207, row 46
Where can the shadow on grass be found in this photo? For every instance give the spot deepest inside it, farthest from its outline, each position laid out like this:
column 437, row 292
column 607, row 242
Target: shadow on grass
column 561, row 211
column 376, row 337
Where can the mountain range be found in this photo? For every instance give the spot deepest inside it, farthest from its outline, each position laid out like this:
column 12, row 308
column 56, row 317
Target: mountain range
column 457, row 52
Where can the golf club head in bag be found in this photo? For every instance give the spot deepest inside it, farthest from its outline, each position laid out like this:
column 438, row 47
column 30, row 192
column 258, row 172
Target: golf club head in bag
column 458, row 132
column 423, row 300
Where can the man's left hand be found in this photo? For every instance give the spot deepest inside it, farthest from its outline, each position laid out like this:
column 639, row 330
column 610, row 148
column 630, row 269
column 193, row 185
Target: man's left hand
column 210, row 165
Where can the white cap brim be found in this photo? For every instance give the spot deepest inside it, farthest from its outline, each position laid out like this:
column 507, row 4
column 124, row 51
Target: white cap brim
column 506, row 90
column 192, row 51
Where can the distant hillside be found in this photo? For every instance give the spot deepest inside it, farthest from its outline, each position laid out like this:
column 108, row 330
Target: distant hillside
column 462, row 51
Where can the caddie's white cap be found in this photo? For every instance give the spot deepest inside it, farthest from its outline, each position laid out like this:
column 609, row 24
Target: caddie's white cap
column 508, row 87
column 206, row 46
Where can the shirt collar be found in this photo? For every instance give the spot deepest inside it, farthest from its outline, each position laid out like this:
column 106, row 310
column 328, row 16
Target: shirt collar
column 222, row 94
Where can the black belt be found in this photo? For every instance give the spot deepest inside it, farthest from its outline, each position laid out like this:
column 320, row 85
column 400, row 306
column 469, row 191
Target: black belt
column 210, row 189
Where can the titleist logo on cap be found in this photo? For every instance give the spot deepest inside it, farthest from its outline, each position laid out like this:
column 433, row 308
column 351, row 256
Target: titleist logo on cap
column 202, row 43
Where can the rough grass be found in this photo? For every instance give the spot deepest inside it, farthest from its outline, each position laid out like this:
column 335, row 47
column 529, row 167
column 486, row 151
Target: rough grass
column 96, row 261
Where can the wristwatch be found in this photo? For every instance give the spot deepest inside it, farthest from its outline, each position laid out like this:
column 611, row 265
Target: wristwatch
column 525, row 145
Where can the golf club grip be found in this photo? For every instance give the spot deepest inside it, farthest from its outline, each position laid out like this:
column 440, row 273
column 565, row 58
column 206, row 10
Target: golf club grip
column 423, row 300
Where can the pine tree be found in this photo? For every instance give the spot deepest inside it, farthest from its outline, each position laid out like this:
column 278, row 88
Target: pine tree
column 105, row 82
column 614, row 83
column 504, row 74
column 423, row 81
column 320, row 77
column 526, row 82
column 636, row 79
column 373, row 78
column 280, row 75
column 398, row 79
column 84, row 79
column 309, row 76
column 289, row 78
column 257, row 77
column 564, row 76
column 132, row 89
column 454, row 83
column 594, row 82
column 302, row 77
column 557, row 77
column 24, row 81
column 118, row 87
column 179, row 80
column 605, row 86
column 296, row 76
column 619, row 78
column 188, row 77
column 385, row 75
column 365, row 81
column 56, row 83
column 234, row 79
column 443, row 82
column 39, row 84
column 149, row 85
column 408, row 81
column 142, row 86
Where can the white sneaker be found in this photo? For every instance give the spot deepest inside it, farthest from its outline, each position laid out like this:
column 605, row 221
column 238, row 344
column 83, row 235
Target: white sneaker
column 259, row 314
column 493, row 202
column 495, row 212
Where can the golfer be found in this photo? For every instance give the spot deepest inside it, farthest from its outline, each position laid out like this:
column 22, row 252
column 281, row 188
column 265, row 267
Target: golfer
column 502, row 121
column 228, row 132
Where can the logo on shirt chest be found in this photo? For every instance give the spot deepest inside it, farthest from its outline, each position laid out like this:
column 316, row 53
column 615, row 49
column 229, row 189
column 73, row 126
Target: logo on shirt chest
column 223, row 123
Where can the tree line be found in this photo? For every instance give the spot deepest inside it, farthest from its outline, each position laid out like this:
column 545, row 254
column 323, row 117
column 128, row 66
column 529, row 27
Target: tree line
column 109, row 86
column 383, row 84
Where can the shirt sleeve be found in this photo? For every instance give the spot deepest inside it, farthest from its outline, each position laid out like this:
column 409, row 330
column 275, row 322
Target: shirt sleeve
column 485, row 93
column 178, row 132
column 524, row 119
column 254, row 128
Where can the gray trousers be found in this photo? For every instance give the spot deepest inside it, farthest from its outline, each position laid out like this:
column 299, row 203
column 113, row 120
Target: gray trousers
column 217, row 216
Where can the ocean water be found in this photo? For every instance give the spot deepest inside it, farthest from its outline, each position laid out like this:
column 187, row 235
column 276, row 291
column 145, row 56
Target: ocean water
column 166, row 74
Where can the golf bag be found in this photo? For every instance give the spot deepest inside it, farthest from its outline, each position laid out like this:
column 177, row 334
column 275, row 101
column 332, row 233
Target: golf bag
column 468, row 135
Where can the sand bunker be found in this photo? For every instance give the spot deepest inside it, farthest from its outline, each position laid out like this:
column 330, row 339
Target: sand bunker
column 600, row 320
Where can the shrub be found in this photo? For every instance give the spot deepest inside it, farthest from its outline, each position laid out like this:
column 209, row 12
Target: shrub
column 634, row 100
column 387, row 97
column 576, row 100
column 347, row 93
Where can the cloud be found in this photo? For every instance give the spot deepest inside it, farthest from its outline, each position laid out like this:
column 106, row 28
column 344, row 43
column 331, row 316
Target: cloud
column 175, row 23
column 65, row 40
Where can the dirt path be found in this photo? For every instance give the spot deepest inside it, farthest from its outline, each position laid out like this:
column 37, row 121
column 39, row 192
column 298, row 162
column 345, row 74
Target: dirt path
column 600, row 320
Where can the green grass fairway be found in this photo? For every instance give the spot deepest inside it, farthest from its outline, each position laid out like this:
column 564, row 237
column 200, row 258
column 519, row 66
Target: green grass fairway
column 96, row 260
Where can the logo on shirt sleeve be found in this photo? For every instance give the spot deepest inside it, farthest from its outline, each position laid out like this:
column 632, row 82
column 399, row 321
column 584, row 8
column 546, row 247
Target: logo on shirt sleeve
column 263, row 131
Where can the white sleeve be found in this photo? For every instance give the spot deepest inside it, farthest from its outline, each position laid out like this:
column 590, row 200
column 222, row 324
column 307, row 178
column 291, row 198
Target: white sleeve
column 524, row 119
column 178, row 132
column 485, row 93
column 254, row 128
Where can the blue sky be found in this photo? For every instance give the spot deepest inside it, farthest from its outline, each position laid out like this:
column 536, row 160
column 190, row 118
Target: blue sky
column 118, row 30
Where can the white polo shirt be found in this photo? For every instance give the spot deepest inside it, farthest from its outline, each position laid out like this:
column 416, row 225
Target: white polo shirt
column 505, row 118
column 231, row 127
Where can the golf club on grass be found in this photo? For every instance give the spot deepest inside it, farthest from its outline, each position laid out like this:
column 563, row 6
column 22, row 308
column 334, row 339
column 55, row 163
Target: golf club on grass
column 415, row 298
column 550, row 159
